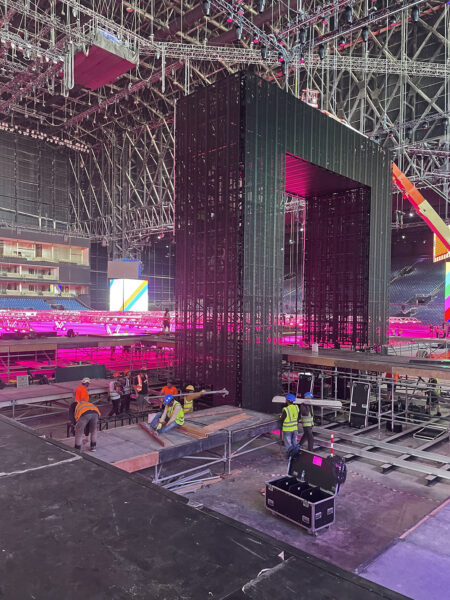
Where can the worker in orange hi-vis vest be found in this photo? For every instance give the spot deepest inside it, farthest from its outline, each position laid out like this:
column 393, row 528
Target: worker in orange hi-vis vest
column 81, row 392
column 86, row 415
column 168, row 389
column 141, row 389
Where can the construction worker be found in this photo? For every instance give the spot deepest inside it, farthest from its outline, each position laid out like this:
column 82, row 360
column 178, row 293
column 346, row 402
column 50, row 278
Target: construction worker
column 86, row 414
column 114, row 395
column 289, row 418
column 125, row 398
column 166, row 321
column 188, row 405
column 434, row 395
column 142, row 389
column 169, row 388
column 81, row 392
column 173, row 413
column 307, row 420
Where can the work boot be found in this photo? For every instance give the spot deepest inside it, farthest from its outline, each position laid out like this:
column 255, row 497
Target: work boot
column 93, row 447
column 77, row 447
column 439, row 414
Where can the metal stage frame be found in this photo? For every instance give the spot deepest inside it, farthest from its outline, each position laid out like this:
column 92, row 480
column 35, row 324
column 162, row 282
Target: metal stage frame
column 228, row 454
column 403, row 405
column 118, row 353
column 133, row 450
column 336, row 382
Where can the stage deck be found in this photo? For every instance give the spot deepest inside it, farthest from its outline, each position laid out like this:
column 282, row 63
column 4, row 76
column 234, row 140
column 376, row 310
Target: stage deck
column 80, row 528
column 82, row 341
column 36, row 394
column 132, row 449
column 345, row 359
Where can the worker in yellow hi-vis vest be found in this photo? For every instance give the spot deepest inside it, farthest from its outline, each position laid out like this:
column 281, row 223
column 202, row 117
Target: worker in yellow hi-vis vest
column 188, row 404
column 289, row 426
column 307, row 420
column 172, row 416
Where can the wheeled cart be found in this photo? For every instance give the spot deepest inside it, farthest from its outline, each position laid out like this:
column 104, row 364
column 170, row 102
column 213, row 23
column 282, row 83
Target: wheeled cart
column 306, row 495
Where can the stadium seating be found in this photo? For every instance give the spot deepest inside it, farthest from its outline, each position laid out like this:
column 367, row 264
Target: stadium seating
column 426, row 279
column 70, row 304
column 24, row 303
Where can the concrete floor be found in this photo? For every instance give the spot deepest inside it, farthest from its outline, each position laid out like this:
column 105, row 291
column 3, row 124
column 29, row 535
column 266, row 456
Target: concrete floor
column 372, row 511
column 418, row 564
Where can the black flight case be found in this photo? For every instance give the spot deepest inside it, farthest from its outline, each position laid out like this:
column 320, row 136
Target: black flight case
column 306, row 495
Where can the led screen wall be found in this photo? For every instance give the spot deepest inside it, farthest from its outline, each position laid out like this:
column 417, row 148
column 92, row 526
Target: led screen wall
column 128, row 295
column 447, row 291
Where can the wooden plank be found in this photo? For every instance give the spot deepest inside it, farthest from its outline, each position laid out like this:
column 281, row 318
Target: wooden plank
column 137, row 463
column 193, row 430
column 211, row 412
column 151, row 434
column 226, row 423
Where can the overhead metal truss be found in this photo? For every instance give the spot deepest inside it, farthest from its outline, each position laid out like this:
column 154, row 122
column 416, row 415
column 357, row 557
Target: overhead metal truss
column 393, row 87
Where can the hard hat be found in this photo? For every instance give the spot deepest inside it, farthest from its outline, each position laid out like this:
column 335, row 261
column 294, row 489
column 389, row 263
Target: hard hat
column 168, row 398
column 190, row 388
column 309, row 395
column 86, row 380
column 290, row 398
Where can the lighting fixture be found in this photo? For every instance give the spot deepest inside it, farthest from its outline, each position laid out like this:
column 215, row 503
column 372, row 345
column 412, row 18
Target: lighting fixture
column 230, row 18
column 239, row 31
column 207, row 7
column 264, row 52
column 321, row 51
column 303, row 35
column 365, row 34
column 348, row 14
column 26, row 131
column 415, row 14
column 261, row 5
column 342, row 41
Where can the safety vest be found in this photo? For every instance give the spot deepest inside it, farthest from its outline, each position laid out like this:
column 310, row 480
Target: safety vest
column 139, row 383
column 290, row 422
column 189, row 403
column 307, row 420
column 169, row 390
column 83, row 407
column 81, row 393
column 126, row 386
column 179, row 419
column 437, row 389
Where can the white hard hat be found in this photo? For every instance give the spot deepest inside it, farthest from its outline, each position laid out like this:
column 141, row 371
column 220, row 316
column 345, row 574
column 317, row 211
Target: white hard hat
column 86, row 380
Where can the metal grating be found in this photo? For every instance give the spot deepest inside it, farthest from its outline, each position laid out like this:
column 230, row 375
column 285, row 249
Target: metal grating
column 231, row 144
column 292, row 127
column 336, row 268
column 208, row 237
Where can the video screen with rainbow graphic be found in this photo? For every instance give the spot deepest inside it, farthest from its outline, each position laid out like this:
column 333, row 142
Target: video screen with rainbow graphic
column 128, row 295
